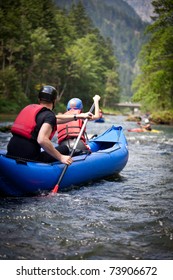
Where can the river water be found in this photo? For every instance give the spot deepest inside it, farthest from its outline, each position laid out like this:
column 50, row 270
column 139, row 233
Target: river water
column 125, row 217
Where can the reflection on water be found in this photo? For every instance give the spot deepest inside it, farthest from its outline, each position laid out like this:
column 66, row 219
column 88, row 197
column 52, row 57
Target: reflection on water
column 129, row 216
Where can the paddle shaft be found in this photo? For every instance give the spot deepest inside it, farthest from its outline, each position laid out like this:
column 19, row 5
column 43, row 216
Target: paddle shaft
column 73, row 150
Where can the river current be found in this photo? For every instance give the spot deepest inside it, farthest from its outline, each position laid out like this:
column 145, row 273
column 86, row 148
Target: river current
column 129, row 216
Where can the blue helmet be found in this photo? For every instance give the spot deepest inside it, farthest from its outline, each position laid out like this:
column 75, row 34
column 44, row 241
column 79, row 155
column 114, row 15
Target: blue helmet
column 75, row 103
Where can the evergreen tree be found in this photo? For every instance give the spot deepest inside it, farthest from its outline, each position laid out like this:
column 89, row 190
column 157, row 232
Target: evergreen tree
column 154, row 86
column 80, row 21
column 41, row 44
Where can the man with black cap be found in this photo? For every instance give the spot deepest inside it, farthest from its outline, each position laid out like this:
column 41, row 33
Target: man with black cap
column 34, row 128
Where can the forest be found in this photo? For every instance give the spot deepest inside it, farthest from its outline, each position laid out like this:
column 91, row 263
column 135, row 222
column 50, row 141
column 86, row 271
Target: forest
column 41, row 43
column 153, row 87
column 117, row 21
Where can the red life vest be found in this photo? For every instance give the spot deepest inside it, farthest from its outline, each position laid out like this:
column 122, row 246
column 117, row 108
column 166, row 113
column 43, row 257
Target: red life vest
column 71, row 129
column 25, row 123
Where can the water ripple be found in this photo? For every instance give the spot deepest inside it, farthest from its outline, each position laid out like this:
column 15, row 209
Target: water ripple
column 129, row 216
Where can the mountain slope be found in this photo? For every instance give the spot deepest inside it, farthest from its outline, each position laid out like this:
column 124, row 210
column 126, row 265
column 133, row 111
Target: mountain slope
column 118, row 21
column 143, row 8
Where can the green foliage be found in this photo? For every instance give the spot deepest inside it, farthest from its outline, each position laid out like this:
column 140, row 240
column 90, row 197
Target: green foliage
column 90, row 61
column 154, row 86
column 80, row 21
column 42, row 44
column 60, row 107
column 117, row 21
column 163, row 117
column 163, row 13
column 112, row 89
column 12, row 98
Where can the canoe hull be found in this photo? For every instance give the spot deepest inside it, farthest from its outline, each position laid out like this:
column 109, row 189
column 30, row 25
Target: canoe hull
column 104, row 164
column 21, row 178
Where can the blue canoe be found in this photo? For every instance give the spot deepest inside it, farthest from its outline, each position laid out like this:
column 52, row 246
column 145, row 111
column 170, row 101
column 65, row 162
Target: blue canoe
column 26, row 178
column 101, row 120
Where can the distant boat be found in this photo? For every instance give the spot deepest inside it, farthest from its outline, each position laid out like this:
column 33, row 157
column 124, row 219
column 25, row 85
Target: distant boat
column 143, row 130
column 101, row 120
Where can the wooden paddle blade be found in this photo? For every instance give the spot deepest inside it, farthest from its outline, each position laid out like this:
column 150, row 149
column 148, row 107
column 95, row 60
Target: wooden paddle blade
column 55, row 189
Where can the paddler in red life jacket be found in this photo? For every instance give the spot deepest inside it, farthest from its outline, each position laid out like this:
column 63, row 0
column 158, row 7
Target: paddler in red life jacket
column 68, row 133
column 34, row 128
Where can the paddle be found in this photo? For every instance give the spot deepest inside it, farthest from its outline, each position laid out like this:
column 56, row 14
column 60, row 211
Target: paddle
column 55, row 189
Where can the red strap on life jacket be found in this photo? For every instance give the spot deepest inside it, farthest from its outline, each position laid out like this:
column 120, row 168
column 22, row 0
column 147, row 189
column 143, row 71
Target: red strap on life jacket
column 71, row 129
